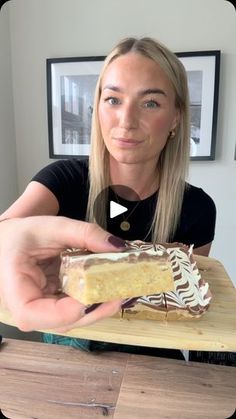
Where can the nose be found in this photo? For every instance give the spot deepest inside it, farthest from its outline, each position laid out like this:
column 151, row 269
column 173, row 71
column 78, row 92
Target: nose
column 129, row 116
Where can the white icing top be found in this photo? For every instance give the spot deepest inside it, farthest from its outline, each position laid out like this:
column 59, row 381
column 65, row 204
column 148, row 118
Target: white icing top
column 134, row 248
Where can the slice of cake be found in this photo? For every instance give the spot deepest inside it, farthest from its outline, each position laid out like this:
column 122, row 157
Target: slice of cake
column 190, row 298
column 91, row 278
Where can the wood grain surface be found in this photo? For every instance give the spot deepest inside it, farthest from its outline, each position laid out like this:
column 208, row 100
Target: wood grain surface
column 43, row 381
column 214, row 331
column 174, row 389
column 50, row 381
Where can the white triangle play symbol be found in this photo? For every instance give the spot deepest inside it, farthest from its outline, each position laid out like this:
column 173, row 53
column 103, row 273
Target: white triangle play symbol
column 116, row 209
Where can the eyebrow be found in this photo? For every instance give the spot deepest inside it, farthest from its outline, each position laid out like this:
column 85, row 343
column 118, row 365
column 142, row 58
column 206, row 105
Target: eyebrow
column 140, row 93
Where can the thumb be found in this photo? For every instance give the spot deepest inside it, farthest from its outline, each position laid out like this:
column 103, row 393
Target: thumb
column 62, row 232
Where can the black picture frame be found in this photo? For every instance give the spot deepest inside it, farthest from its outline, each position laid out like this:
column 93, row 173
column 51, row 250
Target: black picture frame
column 203, row 71
column 70, row 92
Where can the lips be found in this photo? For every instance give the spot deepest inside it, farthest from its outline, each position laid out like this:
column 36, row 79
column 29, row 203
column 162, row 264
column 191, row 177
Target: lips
column 127, row 140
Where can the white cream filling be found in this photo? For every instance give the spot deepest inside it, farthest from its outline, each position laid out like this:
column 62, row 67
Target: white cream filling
column 160, row 251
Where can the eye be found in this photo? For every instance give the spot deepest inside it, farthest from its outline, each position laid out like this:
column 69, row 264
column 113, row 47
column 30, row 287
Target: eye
column 151, row 104
column 112, row 100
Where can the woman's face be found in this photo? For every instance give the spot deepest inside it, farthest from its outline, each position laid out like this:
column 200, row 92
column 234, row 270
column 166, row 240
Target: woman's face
column 136, row 109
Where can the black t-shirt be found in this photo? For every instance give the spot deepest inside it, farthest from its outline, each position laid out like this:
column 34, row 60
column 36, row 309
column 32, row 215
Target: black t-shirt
column 68, row 181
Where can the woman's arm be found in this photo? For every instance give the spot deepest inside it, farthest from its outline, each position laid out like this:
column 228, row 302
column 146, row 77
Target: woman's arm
column 37, row 199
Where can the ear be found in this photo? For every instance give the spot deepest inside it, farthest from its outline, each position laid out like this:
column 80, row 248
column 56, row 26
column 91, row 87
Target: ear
column 176, row 119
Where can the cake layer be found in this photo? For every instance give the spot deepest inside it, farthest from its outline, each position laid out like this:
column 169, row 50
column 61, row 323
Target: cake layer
column 95, row 278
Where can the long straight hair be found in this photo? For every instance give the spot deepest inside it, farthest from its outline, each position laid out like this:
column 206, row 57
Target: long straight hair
column 173, row 162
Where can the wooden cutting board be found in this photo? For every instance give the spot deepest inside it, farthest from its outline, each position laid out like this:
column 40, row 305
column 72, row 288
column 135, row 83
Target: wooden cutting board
column 214, row 331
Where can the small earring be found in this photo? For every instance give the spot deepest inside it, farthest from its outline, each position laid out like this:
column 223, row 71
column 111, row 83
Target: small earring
column 172, row 134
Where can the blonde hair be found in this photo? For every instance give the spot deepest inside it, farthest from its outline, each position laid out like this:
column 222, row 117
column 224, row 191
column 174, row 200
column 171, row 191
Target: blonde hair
column 174, row 159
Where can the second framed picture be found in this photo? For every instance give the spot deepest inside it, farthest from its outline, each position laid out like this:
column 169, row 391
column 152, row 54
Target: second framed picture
column 203, row 71
column 70, row 92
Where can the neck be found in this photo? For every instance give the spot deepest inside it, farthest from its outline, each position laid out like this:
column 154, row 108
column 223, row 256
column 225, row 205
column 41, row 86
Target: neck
column 142, row 178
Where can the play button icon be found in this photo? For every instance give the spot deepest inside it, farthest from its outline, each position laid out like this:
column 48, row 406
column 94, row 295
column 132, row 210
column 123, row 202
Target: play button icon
column 113, row 202
column 116, row 209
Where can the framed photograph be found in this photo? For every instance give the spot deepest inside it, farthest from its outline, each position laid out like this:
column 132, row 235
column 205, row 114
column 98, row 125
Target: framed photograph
column 70, row 92
column 203, row 71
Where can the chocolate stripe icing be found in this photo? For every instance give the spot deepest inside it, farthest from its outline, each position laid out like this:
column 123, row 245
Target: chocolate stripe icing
column 191, row 291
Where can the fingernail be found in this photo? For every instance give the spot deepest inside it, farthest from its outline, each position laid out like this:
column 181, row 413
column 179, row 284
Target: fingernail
column 90, row 308
column 116, row 241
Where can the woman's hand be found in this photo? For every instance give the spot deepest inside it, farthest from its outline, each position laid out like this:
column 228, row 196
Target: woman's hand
column 29, row 266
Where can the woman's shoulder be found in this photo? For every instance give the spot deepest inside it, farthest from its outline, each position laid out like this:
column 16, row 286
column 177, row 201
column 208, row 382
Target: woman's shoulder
column 67, row 179
column 71, row 169
column 198, row 217
column 196, row 197
column 73, row 164
column 76, row 168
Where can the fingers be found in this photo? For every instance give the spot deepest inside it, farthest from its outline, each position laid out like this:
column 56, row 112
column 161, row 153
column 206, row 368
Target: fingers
column 90, row 236
column 24, row 245
column 102, row 311
column 61, row 314
column 62, row 232
column 47, row 313
column 45, row 236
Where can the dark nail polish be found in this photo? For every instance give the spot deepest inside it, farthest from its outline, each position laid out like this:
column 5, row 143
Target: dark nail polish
column 92, row 307
column 116, row 241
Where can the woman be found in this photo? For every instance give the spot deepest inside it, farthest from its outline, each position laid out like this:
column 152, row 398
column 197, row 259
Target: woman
column 139, row 157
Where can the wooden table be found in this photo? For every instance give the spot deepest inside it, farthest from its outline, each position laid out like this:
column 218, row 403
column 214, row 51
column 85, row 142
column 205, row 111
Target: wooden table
column 50, row 381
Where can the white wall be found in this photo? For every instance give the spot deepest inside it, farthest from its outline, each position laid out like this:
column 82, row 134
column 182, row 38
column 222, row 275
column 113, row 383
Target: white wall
column 8, row 173
column 60, row 28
